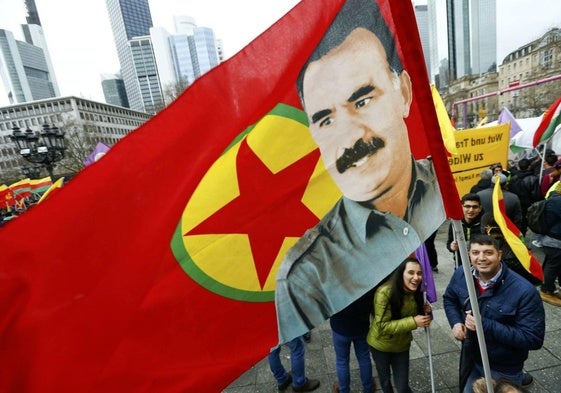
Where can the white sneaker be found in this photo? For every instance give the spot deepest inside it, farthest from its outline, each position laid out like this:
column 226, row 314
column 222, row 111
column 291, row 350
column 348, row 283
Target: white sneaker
column 537, row 243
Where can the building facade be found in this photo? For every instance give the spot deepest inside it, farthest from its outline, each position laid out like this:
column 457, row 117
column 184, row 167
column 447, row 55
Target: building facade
column 129, row 19
column 25, row 66
column 472, row 37
column 146, row 71
column 528, row 81
column 103, row 123
column 527, row 73
column 114, row 91
column 194, row 49
column 422, row 18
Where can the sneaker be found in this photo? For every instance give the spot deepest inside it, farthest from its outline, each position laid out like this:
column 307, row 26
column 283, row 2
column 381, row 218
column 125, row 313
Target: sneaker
column 335, row 387
column 537, row 243
column 283, row 386
column 550, row 298
column 527, row 380
column 309, row 385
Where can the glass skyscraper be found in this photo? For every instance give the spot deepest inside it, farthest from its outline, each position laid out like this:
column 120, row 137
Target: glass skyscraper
column 472, row 36
column 26, row 69
column 129, row 19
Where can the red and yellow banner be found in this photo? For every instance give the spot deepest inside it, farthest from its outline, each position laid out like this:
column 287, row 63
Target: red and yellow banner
column 6, row 196
column 21, row 189
column 39, row 186
column 513, row 236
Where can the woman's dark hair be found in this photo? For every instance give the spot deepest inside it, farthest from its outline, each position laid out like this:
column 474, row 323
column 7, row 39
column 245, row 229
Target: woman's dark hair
column 397, row 292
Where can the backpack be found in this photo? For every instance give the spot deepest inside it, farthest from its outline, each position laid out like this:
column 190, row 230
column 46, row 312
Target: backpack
column 535, row 216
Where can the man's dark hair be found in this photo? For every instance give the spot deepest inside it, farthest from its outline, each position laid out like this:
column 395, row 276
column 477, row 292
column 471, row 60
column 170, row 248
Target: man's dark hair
column 524, row 164
column 353, row 15
column 471, row 197
column 551, row 159
column 485, row 240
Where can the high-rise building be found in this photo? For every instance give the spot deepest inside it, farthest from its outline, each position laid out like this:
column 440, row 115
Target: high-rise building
column 422, row 17
column 146, row 70
column 113, row 88
column 433, row 40
column 129, row 19
column 195, row 49
column 472, row 37
column 484, row 36
column 32, row 14
column 26, row 69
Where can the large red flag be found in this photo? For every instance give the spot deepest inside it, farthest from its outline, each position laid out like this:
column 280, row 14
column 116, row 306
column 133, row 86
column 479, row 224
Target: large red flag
column 139, row 286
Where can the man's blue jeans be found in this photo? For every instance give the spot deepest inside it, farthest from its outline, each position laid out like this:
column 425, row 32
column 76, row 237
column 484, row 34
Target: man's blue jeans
column 342, row 346
column 478, row 372
column 297, row 363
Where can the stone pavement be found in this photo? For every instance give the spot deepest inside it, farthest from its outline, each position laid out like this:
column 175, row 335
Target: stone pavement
column 544, row 364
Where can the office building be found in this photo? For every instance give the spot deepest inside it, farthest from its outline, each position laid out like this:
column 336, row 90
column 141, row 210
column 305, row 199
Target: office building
column 422, row 17
column 26, row 69
column 147, row 76
column 76, row 116
column 195, row 50
column 114, row 91
column 129, row 19
column 472, row 37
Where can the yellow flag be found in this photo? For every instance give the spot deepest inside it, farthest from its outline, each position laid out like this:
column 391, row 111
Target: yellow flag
column 57, row 184
column 444, row 122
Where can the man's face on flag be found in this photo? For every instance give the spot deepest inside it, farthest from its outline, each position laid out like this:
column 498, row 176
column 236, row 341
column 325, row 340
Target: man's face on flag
column 356, row 108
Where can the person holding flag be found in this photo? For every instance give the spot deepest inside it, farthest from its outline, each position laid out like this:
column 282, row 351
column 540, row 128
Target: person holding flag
column 357, row 96
column 512, row 315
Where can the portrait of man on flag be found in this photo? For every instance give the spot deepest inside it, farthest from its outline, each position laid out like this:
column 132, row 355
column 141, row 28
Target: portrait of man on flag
column 357, row 97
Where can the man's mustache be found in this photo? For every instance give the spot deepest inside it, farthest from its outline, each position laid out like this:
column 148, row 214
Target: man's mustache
column 360, row 149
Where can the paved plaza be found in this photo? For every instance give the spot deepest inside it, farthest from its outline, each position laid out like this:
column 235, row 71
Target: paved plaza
column 544, row 365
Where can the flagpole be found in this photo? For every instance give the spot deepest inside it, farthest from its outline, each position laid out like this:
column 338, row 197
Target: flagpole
column 429, row 349
column 462, row 248
column 456, row 254
column 541, row 166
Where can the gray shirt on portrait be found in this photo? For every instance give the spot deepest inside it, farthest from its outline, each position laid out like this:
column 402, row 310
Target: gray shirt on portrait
column 349, row 252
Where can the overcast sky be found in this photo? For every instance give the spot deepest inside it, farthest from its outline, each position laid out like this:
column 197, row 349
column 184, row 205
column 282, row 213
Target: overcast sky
column 81, row 44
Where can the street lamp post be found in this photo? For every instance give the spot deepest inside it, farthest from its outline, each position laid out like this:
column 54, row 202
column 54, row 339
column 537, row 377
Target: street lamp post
column 32, row 172
column 44, row 148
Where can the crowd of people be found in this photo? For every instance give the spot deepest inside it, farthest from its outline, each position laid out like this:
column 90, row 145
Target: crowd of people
column 379, row 324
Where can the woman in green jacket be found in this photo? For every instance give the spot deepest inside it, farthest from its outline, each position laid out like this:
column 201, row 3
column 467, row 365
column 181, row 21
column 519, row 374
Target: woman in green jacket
column 398, row 310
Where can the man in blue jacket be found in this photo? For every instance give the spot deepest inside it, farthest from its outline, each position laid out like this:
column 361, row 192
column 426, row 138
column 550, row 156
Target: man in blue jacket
column 512, row 313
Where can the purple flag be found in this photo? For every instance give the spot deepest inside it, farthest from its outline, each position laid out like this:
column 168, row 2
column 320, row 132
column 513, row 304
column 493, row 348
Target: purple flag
column 100, row 149
column 506, row 117
column 428, row 280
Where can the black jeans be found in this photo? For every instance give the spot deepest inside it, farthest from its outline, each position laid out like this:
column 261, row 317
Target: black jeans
column 399, row 364
column 551, row 268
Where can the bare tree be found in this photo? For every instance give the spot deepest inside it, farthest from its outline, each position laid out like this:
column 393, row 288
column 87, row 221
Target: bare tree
column 80, row 140
column 174, row 90
column 536, row 99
